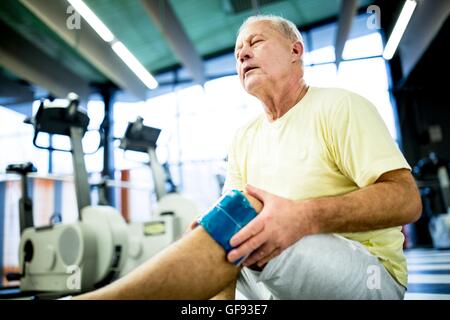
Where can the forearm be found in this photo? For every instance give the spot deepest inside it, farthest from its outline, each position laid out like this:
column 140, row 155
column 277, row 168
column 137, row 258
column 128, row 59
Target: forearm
column 381, row 205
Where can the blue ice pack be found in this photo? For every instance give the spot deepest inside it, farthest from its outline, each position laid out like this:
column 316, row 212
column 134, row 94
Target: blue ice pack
column 229, row 215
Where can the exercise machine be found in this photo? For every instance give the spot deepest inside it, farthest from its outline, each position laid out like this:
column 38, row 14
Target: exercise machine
column 174, row 212
column 432, row 175
column 25, row 202
column 75, row 257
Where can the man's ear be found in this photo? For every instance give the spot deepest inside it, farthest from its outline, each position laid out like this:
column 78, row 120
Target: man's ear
column 297, row 51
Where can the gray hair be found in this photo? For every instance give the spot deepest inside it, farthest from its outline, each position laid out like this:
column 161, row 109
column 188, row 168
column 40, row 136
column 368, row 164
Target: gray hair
column 285, row 27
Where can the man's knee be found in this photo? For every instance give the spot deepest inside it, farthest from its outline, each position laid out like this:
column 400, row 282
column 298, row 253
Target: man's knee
column 230, row 214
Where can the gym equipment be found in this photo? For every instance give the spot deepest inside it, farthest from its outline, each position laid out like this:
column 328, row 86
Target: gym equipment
column 25, row 203
column 141, row 138
column 432, row 175
column 174, row 212
column 433, row 171
column 76, row 257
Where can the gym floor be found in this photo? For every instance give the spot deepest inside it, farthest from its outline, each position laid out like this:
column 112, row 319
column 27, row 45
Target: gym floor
column 428, row 274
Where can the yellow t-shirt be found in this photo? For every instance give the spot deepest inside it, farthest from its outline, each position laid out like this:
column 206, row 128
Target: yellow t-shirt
column 331, row 143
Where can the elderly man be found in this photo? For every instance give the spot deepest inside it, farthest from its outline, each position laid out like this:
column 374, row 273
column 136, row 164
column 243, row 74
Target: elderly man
column 322, row 162
column 333, row 184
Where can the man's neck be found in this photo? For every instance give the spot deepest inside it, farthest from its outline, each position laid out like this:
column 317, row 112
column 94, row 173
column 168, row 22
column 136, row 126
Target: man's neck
column 278, row 103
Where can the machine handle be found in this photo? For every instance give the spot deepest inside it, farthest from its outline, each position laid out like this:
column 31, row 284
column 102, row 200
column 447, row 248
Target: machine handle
column 13, row 276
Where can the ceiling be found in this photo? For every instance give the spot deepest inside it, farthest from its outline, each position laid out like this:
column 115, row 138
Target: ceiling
column 20, row 19
column 209, row 27
column 208, row 24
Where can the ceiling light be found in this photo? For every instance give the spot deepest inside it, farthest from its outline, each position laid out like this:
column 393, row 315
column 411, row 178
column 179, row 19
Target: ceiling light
column 92, row 19
column 135, row 66
column 399, row 29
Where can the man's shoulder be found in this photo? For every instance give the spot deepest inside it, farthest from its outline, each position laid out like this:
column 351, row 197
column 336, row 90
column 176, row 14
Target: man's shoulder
column 334, row 94
column 337, row 99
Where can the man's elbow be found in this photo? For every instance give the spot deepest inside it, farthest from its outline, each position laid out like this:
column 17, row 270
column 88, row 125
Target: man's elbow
column 412, row 202
column 406, row 194
column 414, row 206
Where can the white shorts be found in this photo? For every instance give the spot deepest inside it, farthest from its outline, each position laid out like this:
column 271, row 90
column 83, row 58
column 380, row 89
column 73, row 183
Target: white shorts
column 321, row 267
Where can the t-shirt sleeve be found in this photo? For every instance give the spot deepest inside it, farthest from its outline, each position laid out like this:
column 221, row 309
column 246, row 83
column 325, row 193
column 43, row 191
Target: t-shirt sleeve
column 361, row 144
column 233, row 178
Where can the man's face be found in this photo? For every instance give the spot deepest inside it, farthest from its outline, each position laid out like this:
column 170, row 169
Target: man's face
column 263, row 56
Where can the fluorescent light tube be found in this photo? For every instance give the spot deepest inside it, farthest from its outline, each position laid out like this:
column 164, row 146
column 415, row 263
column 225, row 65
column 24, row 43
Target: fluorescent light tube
column 399, row 29
column 135, row 66
column 92, row 19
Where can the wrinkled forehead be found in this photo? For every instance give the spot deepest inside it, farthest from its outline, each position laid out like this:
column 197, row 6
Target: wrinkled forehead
column 257, row 27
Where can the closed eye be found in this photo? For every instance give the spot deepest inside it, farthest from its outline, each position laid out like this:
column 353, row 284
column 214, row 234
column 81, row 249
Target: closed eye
column 253, row 42
column 256, row 41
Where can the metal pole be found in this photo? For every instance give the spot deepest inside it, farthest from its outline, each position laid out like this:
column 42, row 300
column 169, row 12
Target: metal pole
column 107, row 94
column 79, row 170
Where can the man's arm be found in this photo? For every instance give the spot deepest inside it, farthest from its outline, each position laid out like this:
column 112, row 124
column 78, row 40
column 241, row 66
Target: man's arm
column 392, row 201
column 194, row 267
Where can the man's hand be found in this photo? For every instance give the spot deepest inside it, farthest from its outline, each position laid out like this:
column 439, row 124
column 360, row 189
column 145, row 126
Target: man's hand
column 280, row 224
column 192, row 225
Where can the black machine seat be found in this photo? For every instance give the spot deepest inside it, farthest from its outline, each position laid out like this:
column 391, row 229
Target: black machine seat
column 54, row 118
column 21, row 168
column 138, row 137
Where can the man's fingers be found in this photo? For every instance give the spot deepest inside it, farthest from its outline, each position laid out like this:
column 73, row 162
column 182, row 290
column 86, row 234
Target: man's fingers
column 269, row 257
column 255, row 192
column 261, row 253
column 256, row 204
column 193, row 224
column 247, row 247
column 252, row 228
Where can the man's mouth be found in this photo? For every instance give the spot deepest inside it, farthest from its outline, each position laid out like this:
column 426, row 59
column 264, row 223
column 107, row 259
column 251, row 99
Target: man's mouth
column 249, row 68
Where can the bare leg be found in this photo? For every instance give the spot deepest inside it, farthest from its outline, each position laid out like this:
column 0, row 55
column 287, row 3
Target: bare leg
column 229, row 293
column 194, row 267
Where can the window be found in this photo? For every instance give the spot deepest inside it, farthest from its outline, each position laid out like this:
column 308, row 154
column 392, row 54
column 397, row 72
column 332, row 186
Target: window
column 16, row 141
column 364, row 73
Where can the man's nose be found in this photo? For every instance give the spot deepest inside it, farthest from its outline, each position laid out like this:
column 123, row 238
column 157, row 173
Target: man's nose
column 244, row 54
